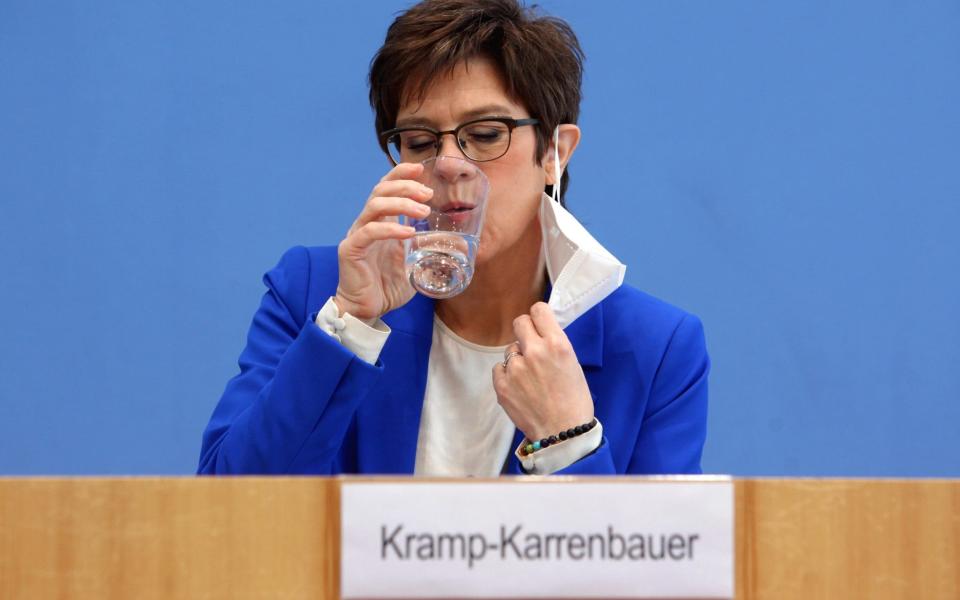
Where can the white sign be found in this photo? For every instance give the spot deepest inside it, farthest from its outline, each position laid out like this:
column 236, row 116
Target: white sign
column 537, row 538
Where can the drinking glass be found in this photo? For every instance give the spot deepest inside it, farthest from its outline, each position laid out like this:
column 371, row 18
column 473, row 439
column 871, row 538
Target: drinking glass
column 441, row 255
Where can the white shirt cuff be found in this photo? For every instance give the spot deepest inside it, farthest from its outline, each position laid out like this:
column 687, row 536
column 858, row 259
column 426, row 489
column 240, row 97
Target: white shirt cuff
column 562, row 454
column 364, row 340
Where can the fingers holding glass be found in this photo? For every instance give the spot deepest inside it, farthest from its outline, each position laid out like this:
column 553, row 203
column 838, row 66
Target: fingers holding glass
column 391, row 207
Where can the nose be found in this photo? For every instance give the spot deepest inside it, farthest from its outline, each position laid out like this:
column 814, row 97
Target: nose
column 449, row 146
column 454, row 168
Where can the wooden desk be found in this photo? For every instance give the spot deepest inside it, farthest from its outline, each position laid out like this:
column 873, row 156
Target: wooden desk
column 258, row 537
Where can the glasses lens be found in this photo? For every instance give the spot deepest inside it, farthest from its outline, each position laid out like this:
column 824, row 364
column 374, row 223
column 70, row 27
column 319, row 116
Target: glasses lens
column 412, row 146
column 484, row 140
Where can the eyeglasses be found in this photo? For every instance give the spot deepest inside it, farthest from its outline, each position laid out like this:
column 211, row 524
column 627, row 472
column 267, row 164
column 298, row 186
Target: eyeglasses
column 480, row 140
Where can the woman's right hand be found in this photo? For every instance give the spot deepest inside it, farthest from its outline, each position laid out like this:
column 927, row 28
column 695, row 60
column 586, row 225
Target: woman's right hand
column 373, row 278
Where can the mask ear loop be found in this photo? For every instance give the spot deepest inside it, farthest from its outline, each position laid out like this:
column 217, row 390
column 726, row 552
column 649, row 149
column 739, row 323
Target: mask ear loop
column 556, row 164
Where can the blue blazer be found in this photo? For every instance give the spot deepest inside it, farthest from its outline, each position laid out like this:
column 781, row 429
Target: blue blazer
column 304, row 404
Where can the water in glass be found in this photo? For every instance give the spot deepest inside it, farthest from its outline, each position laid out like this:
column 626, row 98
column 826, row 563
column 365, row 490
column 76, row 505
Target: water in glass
column 440, row 263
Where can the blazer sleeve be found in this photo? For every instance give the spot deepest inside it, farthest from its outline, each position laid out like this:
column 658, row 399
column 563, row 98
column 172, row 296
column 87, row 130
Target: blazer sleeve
column 297, row 386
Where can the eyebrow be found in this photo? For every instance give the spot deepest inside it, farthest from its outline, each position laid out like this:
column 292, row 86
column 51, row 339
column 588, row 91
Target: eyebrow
column 488, row 110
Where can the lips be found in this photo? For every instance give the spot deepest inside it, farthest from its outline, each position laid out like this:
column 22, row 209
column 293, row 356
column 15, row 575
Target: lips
column 455, row 208
column 457, row 212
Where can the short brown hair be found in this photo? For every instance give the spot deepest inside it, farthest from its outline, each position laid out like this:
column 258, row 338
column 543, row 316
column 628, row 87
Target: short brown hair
column 538, row 56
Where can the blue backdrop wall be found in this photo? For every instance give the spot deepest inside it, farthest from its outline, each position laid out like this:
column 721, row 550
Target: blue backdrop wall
column 793, row 172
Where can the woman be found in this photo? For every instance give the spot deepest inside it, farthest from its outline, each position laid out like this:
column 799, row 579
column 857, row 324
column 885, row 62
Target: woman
column 347, row 370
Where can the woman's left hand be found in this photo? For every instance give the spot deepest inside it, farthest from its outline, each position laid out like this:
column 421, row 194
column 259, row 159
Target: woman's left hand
column 543, row 390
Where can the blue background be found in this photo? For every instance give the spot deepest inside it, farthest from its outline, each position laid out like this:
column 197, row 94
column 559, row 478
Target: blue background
column 790, row 172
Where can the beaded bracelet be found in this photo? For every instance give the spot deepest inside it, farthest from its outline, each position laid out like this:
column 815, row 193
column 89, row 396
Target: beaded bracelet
column 573, row 432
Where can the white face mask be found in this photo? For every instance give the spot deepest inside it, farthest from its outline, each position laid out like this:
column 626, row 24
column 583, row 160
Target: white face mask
column 581, row 271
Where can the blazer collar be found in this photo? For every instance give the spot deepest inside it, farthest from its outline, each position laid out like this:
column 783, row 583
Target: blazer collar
column 586, row 335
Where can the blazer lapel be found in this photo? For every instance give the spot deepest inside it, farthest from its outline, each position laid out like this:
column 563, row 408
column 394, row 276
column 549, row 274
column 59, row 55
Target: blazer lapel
column 586, row 336
column 513, row 466
column 388, row 421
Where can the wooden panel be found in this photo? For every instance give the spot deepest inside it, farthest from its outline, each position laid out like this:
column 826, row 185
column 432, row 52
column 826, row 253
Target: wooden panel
column 279, row 538
column 169, row 538
column 848, row 539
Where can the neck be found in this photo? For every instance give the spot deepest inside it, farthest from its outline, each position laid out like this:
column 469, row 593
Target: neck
column 503, row 288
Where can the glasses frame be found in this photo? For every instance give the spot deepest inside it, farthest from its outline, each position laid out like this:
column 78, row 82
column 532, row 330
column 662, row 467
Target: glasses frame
column 510, row 122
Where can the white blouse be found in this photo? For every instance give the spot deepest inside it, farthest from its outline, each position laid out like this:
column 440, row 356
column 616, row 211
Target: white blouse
column 463, row 430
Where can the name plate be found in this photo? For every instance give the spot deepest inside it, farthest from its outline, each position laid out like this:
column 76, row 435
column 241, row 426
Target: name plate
column 624, row 538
